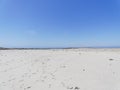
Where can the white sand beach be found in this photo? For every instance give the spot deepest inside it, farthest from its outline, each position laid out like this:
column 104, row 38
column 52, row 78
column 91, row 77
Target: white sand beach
column 62, row 69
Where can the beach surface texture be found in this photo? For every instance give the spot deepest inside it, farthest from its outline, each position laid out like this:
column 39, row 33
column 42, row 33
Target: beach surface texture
column 60, row 69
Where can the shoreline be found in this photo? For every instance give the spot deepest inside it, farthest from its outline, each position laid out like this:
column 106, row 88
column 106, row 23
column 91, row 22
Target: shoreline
column 59, row 48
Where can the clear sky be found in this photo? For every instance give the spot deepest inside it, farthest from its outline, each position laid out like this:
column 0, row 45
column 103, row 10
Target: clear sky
column 59, row 23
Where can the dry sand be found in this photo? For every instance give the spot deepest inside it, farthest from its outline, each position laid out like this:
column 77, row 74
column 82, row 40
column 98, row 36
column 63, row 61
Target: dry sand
column 63, row 69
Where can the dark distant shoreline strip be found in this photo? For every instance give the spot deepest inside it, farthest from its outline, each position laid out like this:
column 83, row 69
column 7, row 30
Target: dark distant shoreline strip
column 60, row 48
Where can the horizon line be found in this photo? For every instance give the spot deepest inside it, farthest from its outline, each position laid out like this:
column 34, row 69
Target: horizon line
column 59, row 47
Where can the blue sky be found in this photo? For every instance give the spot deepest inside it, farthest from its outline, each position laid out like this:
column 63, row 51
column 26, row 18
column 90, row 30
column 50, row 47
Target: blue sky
column 59, row 23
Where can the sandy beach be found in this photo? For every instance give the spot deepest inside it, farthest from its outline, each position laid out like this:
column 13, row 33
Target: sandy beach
column 60, row 69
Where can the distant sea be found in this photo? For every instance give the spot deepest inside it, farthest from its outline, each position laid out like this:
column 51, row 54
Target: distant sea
column 95, row 47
